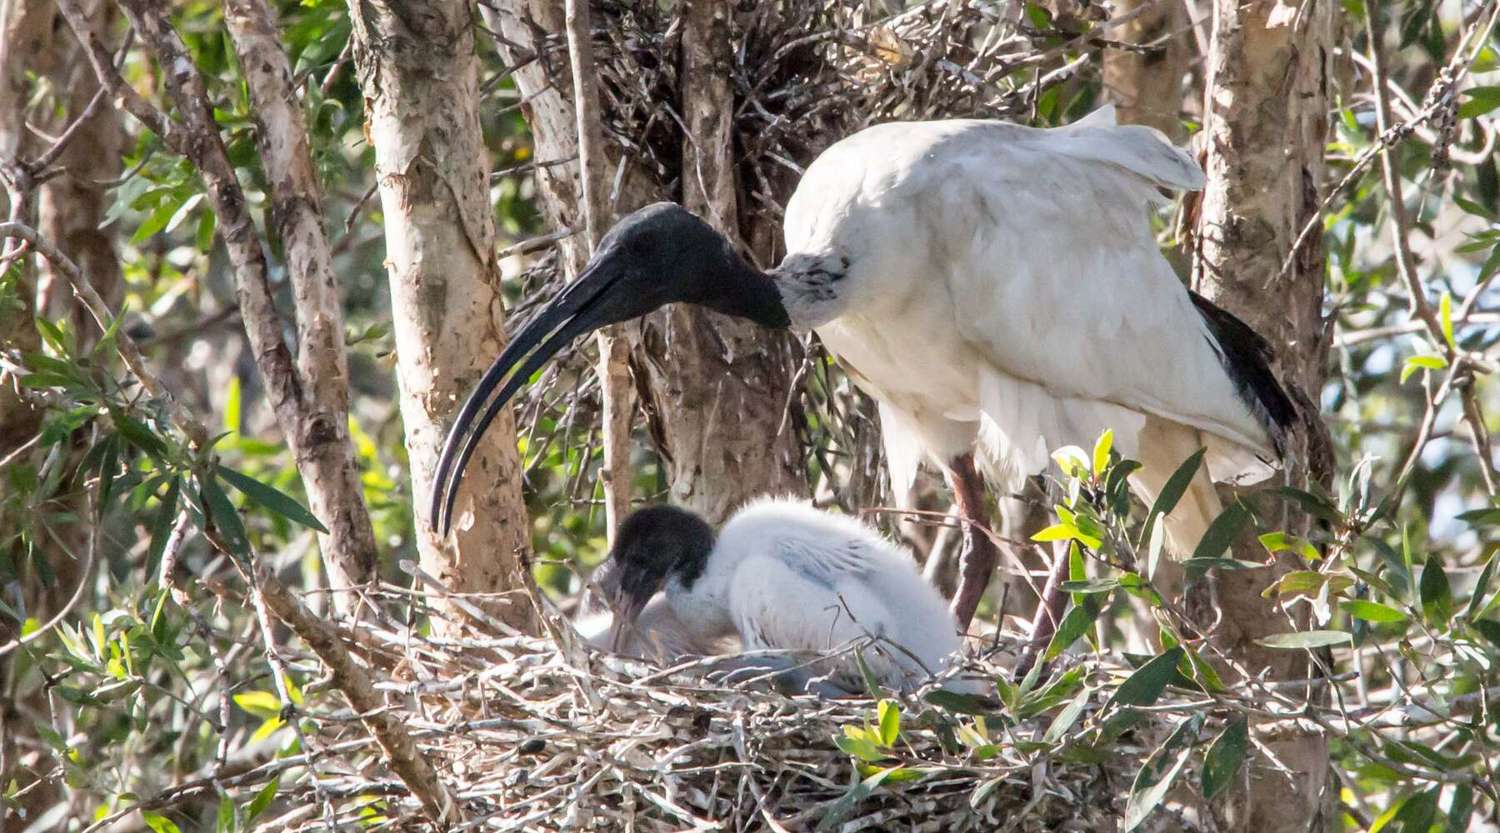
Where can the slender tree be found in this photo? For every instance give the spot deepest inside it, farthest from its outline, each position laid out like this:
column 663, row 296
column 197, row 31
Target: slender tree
column 432, row 170
column 1266, row 122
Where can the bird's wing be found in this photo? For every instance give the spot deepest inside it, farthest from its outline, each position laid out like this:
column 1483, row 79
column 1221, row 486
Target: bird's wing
column 797, row 595
column 1039, row 241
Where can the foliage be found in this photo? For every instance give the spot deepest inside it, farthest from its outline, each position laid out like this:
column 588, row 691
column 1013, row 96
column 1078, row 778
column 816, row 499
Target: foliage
column 154, row 680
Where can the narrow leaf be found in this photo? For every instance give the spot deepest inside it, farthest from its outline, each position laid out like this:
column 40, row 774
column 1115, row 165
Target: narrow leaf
column 1156, row 775
column 1177, row 485
column 1372, row 611
column 1222, row 532
column 890, row 721
column 1144, row 686
column 1225, row 757
column 271, row 498
column 1435, row 593
column 1305, row 639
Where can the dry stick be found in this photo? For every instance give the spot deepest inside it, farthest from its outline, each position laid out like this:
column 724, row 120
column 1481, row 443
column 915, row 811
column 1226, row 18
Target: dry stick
column 400, row 750
column 1406, row 263
column 614, row 352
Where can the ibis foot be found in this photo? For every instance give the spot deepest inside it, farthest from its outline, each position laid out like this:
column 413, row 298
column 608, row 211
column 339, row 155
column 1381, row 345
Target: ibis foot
column 979, row 555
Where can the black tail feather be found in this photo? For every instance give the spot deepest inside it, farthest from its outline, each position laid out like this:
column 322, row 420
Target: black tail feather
column 1247, row 358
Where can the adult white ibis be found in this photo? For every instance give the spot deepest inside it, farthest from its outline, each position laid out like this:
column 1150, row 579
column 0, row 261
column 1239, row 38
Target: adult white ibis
column 784, row 576
column 995, row 287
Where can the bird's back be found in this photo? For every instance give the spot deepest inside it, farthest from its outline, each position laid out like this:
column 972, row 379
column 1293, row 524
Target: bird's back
column 1006, row 276
column 807, row 580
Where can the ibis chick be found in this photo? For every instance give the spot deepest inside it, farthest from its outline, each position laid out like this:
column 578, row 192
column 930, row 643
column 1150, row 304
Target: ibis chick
column 782, row 575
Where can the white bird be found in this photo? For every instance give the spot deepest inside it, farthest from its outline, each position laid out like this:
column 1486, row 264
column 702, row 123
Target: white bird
column 995, row 287
column 784, row 576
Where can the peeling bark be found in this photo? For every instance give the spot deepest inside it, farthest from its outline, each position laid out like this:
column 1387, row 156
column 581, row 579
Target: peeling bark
column 316, row 434
column 445, row 280
column 297, row 213
column 1266, row 128
column 715, row 388
column 1147, row 88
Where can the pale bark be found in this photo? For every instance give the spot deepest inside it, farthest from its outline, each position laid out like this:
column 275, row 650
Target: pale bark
column 716, row 389
column 297, row 214
column 316, row 433
column 1147, row 87
column 418, row 70
column 719, row 386
column 1266, row 127
column 24, row 30
column 614, row 349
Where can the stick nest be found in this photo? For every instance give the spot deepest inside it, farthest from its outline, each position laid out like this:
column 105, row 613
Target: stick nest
column 542, row 734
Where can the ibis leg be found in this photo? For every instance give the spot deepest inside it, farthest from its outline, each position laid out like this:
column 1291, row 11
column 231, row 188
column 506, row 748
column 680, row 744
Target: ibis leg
column 1049, row 608
column 979, row 555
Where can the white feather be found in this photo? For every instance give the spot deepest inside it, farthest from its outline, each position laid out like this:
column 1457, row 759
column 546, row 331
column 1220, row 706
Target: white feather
column 787, row 576
column 1005, row 291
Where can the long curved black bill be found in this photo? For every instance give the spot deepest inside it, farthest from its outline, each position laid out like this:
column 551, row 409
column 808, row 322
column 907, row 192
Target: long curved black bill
column 574, row 312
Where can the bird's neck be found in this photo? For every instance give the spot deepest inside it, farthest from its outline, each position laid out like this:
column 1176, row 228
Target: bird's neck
column 746, row 292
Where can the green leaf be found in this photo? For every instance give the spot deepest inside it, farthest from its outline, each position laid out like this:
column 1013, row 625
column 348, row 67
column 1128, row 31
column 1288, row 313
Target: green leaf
column 159, row 823
column 1460, row 809
column 1144, row 686
column 262, row 704
column 1073, row 626
column 1482, row 587
column 1415, row 363
column 1102, row 448
column 1156, row 775
column 262, row 799
column 1489, row 629
column 1479, row 101
column 1305, row 639
column 1225, row 756
column 1435, row 593
column 1417, row 812
column 271, row 498
column 232, row 401
column 225, row 518
column 1372, row 611
column 1222, row 532
column 1065, row 719
column 1177, row 485
column 156, row 221
column 1315, row 505
column 1481, row 517
column 890, row 721
column 1445, row 317
column 840, row 810
column 225, row 822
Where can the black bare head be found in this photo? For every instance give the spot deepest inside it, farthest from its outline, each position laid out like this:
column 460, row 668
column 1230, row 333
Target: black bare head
column 653, row 545
column 659, row 255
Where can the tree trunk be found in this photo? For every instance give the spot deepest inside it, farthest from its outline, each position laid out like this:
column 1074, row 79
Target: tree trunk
column 716, row 388
column 1147, row 87
column 1266, row 127
column 419, row 75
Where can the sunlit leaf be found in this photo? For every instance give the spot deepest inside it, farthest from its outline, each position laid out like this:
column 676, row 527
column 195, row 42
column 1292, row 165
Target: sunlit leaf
column 1158, row 772
column 1305, row 639
column 1372, row 611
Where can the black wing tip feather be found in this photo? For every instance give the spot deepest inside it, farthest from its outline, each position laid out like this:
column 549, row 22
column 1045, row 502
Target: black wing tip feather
column 1247, row 357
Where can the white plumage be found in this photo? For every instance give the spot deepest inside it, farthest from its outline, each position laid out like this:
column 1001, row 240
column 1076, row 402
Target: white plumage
column 785, row 576
column 995, row 287
column 658, row 635
column 1003, row 292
